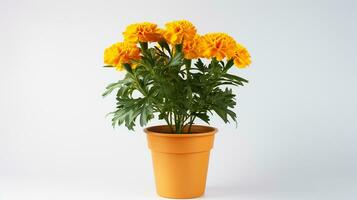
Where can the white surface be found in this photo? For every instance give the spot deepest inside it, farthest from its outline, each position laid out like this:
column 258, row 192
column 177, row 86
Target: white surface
column 297, row 117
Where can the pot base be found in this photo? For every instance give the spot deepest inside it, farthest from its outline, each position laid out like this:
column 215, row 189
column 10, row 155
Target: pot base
column 180, row 175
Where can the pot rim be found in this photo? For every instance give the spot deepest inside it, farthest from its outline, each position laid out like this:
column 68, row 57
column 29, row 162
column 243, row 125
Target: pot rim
column 210, row 131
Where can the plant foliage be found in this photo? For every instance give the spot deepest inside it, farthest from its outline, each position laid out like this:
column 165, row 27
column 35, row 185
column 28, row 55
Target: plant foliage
column 173, row 88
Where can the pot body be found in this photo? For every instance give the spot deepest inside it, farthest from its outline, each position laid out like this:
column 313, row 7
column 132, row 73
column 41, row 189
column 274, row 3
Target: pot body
column 180, row 160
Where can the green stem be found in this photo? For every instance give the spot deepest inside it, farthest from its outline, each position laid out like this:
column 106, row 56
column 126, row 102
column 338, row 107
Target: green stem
column 170, row 125
column 192, row 119
column 188, row 67
column 177, row 123
column 139, row 85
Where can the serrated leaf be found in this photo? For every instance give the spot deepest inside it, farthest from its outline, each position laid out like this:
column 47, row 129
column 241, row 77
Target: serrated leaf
column 203, row 116
column 113, row 86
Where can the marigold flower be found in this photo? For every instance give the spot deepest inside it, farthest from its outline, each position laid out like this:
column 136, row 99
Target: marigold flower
column 190, row 49
column 142, row 32
column 219, row 45
column 241, row 56
column 178, row 31
column 121, row 53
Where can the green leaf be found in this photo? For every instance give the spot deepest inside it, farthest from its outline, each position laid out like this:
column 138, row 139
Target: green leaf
column 221, row 63
column 176, row 60
column 200, row 65
column 162, row 116
column 203, row 116
column 164, row 44
column 187, row 63
column 144, row 45
column 231, row 114
column 228, row 65
column 113, row 86
column 128, row 67
column 178, row 48
column 160, row 52
column 234, row 77
column 146, row 115
column 221, row 113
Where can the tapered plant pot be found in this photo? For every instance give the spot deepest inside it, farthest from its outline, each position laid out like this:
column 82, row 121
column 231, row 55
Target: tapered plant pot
column 180, row 160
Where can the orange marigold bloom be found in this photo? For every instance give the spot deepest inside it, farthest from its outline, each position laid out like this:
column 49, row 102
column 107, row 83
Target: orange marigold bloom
column 142, row 32
column 121, row 53
column 241, row 56
column 219, row 45
column 190, row 49
column 179, row 31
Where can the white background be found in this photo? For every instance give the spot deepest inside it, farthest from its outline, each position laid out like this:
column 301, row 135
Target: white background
column 297, row 117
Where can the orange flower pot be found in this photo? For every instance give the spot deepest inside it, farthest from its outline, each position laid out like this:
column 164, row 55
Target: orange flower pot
column 180, row 160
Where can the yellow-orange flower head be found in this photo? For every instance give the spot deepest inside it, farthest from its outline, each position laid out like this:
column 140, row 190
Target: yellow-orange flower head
column 190, row 48
column 121, row 53
column 241, row 56
column 218, row 45
column 142, row 32
column 179, row 31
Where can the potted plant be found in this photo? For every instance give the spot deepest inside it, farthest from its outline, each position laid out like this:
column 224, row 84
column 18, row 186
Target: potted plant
column 178, row 76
